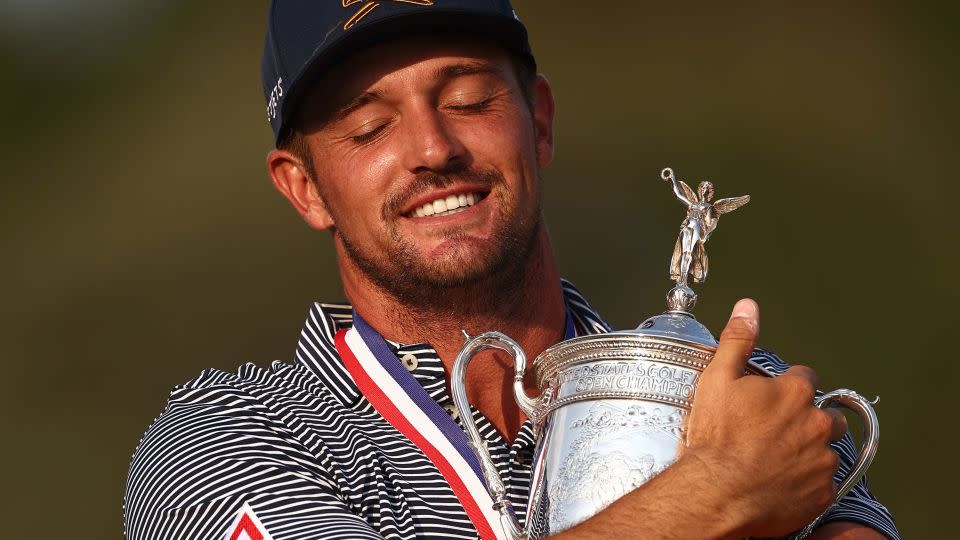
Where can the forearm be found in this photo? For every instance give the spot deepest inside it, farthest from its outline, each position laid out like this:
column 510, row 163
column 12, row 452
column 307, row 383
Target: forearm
column 682, row 502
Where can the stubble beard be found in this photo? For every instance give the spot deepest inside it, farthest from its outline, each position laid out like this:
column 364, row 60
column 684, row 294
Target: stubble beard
column 461, row 282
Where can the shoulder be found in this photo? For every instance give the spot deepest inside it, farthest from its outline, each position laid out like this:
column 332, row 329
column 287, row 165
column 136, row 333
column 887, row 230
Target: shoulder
column 242, row 403
column 251, row 394
column 221, row 435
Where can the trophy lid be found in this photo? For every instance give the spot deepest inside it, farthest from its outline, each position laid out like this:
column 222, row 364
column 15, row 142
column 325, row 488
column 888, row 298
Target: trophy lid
column 676, row 326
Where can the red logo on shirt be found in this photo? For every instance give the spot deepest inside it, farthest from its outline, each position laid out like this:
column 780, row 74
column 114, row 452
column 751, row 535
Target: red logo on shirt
column 246, row 526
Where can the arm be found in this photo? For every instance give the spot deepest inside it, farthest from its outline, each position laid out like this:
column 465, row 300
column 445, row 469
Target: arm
column 679, row 192
column 682, row 194
column 723, row 486
column 672, row 505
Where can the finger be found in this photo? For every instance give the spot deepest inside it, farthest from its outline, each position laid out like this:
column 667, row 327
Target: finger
column 805, row 372
column 736, row 341
column 839, row 424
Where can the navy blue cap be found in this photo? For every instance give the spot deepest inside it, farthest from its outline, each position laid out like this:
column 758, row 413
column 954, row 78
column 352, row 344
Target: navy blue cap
column 306, row 36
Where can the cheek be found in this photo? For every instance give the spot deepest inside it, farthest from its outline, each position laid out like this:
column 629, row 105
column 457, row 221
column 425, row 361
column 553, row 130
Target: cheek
column 516, row 149
column 510, row 145
column 356, row 184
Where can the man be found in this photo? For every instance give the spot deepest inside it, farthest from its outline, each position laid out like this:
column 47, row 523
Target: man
column 414, row 132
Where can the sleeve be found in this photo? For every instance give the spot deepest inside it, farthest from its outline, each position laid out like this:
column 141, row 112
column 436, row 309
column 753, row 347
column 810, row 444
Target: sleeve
column 860, row 505
column 202, row 466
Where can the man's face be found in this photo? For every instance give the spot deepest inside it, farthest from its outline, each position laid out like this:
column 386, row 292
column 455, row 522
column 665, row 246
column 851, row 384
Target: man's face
column 426, row 155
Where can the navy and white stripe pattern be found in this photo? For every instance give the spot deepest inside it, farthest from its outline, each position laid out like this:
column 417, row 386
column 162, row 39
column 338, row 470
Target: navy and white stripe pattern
column 301, row 446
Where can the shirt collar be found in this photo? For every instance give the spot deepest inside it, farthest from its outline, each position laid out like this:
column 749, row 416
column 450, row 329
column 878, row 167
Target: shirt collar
column 316, row 351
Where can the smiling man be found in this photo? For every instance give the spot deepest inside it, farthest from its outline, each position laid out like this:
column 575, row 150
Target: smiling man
column 415, row 132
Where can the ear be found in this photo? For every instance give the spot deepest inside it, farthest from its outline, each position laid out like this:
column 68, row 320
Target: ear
column 543, row 113
column 291, row 179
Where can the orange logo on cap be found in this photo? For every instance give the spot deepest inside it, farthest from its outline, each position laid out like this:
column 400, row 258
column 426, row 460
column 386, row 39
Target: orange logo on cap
column 370, row 5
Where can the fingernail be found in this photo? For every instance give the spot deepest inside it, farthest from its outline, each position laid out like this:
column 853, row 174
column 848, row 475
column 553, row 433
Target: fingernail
column 747, row 310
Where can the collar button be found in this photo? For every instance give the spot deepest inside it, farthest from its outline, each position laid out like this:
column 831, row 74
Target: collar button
column 452, row 411
column 410, row 362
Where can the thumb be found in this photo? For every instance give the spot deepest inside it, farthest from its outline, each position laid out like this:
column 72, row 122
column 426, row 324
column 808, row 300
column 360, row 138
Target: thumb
column 736, row 341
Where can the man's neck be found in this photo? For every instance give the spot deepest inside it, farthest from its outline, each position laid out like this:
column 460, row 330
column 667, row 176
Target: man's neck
column 531, row 312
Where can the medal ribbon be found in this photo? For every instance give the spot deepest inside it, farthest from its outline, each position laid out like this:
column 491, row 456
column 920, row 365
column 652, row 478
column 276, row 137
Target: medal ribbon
column 402, row 401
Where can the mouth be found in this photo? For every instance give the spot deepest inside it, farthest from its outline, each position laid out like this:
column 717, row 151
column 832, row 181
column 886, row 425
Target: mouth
column 449, row 204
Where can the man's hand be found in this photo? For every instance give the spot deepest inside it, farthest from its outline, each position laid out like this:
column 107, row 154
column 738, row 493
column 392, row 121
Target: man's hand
column 763, row 442
column 757, row 460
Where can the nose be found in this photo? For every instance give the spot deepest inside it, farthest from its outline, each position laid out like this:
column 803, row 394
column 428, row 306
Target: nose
column 431, row 143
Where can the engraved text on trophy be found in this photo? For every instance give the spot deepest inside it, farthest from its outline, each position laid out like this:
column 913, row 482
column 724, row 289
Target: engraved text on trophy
column 643, row 376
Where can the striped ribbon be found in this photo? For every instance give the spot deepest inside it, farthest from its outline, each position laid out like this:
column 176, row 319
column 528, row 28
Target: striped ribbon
column 403, row 402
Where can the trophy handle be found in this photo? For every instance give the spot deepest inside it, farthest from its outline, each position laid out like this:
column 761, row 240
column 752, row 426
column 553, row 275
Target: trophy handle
column 871, row 439
column 871, row 432
column 473, row 345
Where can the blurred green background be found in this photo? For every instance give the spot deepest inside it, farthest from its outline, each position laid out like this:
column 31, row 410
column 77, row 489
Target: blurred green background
column 143, row 242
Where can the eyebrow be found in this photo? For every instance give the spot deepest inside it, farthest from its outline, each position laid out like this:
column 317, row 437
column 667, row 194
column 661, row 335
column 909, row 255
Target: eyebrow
column 461, row 69
column 365, row 98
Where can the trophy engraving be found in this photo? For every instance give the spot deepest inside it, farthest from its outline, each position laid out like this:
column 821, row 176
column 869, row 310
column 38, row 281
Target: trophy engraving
column 611, row 408
column 595, row 472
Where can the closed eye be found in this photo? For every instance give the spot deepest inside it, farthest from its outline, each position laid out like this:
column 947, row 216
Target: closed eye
column 472, row 107
column 369, row 135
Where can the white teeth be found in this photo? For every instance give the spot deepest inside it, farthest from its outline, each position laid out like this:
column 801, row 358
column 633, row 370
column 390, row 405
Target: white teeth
column 447, row 205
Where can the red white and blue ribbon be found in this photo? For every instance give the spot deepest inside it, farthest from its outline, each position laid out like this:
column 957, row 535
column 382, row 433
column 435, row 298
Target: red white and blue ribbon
column 402, row 401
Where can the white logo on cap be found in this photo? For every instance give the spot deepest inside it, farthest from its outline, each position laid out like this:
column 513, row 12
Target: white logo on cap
column 274, row 100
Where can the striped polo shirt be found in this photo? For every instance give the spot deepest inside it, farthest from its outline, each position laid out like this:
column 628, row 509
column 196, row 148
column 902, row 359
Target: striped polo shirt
column 298, row 452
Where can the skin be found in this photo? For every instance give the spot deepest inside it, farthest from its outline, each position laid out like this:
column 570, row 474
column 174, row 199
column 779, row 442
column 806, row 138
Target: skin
column 430, row 114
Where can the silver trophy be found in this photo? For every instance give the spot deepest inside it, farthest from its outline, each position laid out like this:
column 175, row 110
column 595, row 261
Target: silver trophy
column 611, row 408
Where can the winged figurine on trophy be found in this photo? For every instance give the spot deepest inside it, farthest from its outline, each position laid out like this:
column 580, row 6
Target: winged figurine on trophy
column 689, row 253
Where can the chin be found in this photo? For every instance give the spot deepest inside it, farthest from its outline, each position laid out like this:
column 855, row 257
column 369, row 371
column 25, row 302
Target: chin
column 457, row 267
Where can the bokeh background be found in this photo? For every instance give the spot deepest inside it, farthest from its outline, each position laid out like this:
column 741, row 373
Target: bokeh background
column 143, row 242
